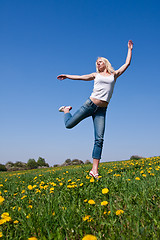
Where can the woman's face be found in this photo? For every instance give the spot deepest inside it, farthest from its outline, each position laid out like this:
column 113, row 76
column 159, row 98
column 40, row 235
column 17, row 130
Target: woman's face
column 100, row 65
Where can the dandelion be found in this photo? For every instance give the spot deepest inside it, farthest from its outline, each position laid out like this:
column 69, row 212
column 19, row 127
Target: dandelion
column 105, row 190
column 4, row 215
column 28, row 216
column 81, row 184
column 1, row 234
column 85, row 200
column 104, row 203
column 30, row 187
column 23, row 197
column 86, row 217
column 16, row 222
column 144, row 175
column 92, row 179
column 1, row 199
column 91, row 202
column 30, row 206
column 119, row 212
column 53, row 213
column 2, row 221
column 32, row 238
column 137, row 178
column 89, row 237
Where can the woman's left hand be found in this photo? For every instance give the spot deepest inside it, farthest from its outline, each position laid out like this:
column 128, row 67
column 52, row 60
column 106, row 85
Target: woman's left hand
column 130, row 44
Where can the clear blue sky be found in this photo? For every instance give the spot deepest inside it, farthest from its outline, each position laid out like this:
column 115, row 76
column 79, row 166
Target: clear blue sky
column 42, row 39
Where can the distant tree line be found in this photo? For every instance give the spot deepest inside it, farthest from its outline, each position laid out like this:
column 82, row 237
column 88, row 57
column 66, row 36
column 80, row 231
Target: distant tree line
column 41, row 163
column 31, row 164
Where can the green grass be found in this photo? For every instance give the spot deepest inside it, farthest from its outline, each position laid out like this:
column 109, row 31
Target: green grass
column 64, row 212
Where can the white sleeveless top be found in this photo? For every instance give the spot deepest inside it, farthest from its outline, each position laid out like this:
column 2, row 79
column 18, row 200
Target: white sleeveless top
column 103, row 87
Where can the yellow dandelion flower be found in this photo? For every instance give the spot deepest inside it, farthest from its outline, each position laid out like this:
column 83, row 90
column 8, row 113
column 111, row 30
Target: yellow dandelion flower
column 30, row 206
column 60, row 184
column 30, row 187
column 1, row 199
column 86, row 217
column 81, row 184
column 16, row 222
column 91, row 202
column 4, row 215
column 137, row 178
column 144, row 175
column 8, row 219
column 109, row 212
column 129, row 179
column 32, row 238
column 23, row 191
column 105, row 190
column 24, row 197
column 52, row 189
column 104, row 203
column 118, row 212
column 1, row 185
column 28, row 216
column 1, row 234
column 104, row 212
column 89, row 237
column 2, row 221
column 85, row 200
column 53, row 213
column 87, row 177
column 19, row 208
column 69, row 180
column 92, row 179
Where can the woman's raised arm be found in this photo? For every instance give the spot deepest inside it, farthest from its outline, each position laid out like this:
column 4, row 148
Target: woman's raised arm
column 123, row 68
column 87, row 77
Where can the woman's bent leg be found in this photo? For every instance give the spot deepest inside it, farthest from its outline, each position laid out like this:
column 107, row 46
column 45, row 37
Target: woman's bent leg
column 85, row 111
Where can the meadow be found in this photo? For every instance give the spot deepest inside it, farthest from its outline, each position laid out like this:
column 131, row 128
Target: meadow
column 65, row 203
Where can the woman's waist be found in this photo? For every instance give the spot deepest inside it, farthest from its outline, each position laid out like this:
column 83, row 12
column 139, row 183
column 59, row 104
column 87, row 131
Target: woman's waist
column 98, row 102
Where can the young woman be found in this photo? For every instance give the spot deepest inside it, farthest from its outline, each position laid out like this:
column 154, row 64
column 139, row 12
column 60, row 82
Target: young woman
column 96, row 104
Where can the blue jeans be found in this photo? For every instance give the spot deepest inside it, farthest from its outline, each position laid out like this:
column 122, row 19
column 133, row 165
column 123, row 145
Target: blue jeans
column 98, row 115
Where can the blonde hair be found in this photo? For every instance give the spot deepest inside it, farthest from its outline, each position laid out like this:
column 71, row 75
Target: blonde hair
column 109, row 67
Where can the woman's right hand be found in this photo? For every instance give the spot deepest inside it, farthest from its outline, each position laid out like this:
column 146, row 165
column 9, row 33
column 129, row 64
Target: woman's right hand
column 62, row 77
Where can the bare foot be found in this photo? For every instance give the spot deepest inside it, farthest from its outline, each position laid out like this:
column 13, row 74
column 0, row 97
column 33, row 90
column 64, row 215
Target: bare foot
column 65, row 109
